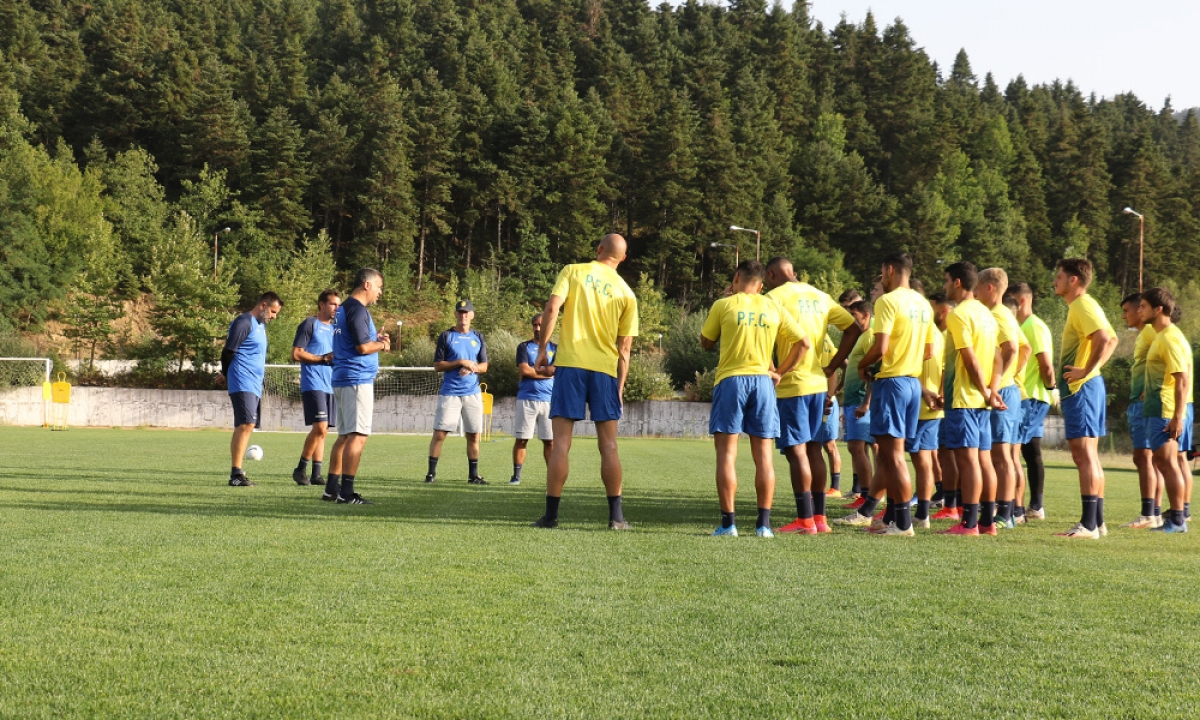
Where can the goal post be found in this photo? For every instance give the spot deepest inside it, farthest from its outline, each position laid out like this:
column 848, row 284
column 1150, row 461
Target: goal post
column 283, row 381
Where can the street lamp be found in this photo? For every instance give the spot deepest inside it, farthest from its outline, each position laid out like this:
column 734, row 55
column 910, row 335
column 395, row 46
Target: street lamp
column 757, row 240
column 1141, row 240
column 736, row 252
column 660, row 342
column 399, row 336
column 216, row 235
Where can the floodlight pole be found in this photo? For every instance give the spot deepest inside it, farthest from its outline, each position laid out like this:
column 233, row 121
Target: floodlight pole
column 736, row 252
column 217, row 235
column 757, row 240
column 1141, row 241
column 399, row 336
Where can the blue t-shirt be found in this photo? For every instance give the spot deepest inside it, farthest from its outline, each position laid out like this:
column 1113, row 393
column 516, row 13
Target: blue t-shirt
column 530, row 388
column 453, row 346
column 352, row 327
column 316, row 337
column 248, row 341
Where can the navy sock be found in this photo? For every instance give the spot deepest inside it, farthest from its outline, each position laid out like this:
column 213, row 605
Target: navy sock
column 727, row 519
column 552, row 507
column 236, row 472
column 472, row 469
column 971, row 515
column 1004, row 510
column 1019, row 511
column 819, row 504
column 1088, row 520
column 950, row 498
column 854, row 486
column 517, row 470
column 1158, row 510
column 904, row 516
column 614, row 509
column 333, row 484
column 1187, row 510
column 316, row 473
column 889, row 512
column 958, row 498
column 922, row 509
column 868, row 507
column 1177, row 517
column 347, row 490
column 433, row 465
column 303, row 465
column 835, row 480
column 1099, row 511
column 987, row 513
column 804, row 505
column 764, row 518
column 1147, row 507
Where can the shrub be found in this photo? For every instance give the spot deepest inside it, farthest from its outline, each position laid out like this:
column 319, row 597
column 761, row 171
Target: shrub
column 647, row 380
column 701, row 387
column 502, row 376
column 685, row 358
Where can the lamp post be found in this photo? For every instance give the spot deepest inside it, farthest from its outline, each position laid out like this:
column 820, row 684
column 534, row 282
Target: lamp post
column 399, row 336
column 217, row 235
column 1141, row 241
column 736, row 252
column 660, row 342
column 757, row 240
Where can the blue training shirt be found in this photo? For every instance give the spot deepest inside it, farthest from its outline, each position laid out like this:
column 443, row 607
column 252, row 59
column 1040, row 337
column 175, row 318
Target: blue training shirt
column 248, row 341
column 316, row 337
column 352, row 327
column 453, row 346
column 531, row 388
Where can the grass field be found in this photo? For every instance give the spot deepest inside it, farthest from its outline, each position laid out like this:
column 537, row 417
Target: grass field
column 136, row 584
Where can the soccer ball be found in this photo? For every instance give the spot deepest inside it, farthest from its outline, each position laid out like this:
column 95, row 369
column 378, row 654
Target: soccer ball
column 254, row 452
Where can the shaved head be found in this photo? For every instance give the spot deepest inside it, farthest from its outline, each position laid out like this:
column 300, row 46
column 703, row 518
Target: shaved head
column 612, row 247
column 779, row 271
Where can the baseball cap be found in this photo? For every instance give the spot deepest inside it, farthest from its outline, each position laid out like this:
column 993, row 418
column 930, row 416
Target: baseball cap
column 464, row 306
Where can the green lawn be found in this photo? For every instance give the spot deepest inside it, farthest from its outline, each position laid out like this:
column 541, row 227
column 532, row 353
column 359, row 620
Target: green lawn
column 135, row 583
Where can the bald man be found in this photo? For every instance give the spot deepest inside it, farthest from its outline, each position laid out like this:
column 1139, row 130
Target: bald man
column 600, row 320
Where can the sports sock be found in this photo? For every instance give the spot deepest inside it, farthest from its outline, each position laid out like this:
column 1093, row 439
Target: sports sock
column 1031, row 452
column 552, row 507
column 614, row 509
column 835, row 480
column 347, row 490
column 904, row 516
column 1004, row 510
column 433, row 465
column 1019, row 511
column 1187, row 511
column 868, row 506
column 764, row 518
column 303, row 464
column 1177, row 517
column 727, row 519
column 472, row 468
column 333, row 484
column 922, row 509
column 1158, row 511
column 1147, row 507
column 1099, row 511
column 889, row 512
column 1088, row 520
column 804, row 505
column 819, row 504
column 950, row 498
column 958, row 498
column 987, row 513
column 236, row 472
column 517, row 470
column 854, row 486
column 971, row 515
column 316, row 472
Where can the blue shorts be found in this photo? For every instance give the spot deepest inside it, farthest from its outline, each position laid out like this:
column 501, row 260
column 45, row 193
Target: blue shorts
column 799, row 419
column 968, row 428
column 1156, row 432
column 927, row 436
column 577, row 390
column 245, row 408
column 857, row 428
column 1137, row 425
column 1006, row 424
column 1033, row 419
column 743, row 403
column 895, row 407
column 318, row 407
column 1189, row 424
column 830, row 424
column 1085, row 413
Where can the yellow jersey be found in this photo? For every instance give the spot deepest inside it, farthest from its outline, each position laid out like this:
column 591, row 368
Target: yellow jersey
column 1037, row 334
column 1137, row 371
column 907, row 319
column 1084, row 317
column 931, row 376
column 598, row 307
column 1169, row 354
column 1009, row 331
column 813, row 311
column 748, row 327
column 972, row 325
column 854, row 389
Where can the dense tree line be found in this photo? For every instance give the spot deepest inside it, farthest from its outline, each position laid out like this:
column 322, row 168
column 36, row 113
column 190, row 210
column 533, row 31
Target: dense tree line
column 440, row 138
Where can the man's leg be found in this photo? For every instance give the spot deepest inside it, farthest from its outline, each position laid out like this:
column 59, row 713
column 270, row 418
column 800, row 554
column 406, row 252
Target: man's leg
column 1031, row 452
column 1006, row 479
column 1143, row 460
column 970, row 482
column 1014, row 461
column 237, row 446
column 764, row 482
column 557, row 468
column 861, row 464
column 923, row 468
column 894, row 472
column 726, row 447
column 352, row 450
column 313, row 449
column 435, row 453
column 547, row 449
column 1167, row 461
column 518, row 459
column 610, row 470
column 473, row 458
column 1085, row 455
column 944, row 459
column 1185, row 471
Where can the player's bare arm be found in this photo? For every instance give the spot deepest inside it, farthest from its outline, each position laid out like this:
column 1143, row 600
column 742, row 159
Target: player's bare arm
column 1103, row 343
column 875, row 354
column 624, row 346
column 792, row 360
column 975, row 371
column 549, row 321
column 1175, row 426
column 383, row 343
column 850, row 337
column 1046, row 369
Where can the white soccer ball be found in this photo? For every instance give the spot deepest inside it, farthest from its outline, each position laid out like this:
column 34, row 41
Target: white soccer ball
column 254, row 452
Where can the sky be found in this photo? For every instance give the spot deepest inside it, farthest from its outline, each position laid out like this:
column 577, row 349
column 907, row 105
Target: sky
column 1149, row 47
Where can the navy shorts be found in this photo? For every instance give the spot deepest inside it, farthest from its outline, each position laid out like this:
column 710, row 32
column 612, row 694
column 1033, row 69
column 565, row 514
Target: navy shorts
column 895, row 407
column 968, row 428
column 1137, row 426
column 577, row 390
column 800, row 419
column 245, row 408
column 318, row 407
column 744, row 404
column 830, row 424
column 1033, row 419
column 1006, row 424
column 1085, row 413
column 858, row 428
column 928, row 432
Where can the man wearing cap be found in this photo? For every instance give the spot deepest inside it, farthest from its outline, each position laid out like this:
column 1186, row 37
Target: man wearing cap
column 461, row 355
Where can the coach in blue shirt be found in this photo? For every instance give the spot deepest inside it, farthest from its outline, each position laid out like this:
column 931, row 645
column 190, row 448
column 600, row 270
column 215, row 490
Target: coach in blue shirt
column 243, row 363
column 533, row 400
column 460, row 355
column 313, row 349
column 356, row 348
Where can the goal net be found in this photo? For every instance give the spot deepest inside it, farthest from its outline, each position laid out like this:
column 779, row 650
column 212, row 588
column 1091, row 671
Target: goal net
column 24, row 372
column 283, row 381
